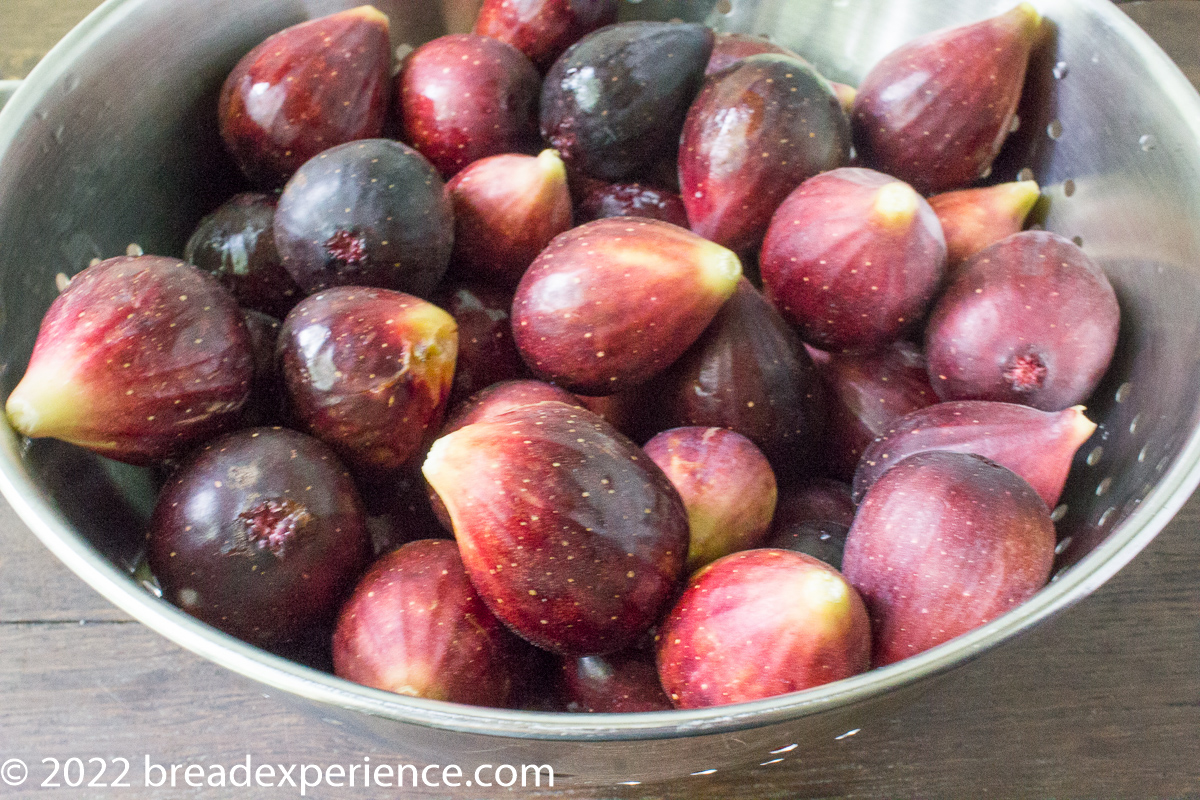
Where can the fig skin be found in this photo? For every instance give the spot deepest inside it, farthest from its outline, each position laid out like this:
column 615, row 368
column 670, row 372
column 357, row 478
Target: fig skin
column 307, row 88
column 727, row 487
column 613, row 104
column 507, row 208
column 1037, row 445
column 415, row 626
column 1031, row 320
column 631, row 200
column 570, row 533
column 368, row 371
column 813, row 517
column 943, row 543
column 235, row 243
column 368, row 213
column 138, row 359
column 755, row 132
column 543, row 29
column 616, row 683
column 486, row 351
column 266, row 404
column 729, row 48
column 973, row 219
column 260, row 534
column 761, row 623
column 505, row 396
column 610, row 304
column 853, row 257
column 936, row 110
column 463, row 97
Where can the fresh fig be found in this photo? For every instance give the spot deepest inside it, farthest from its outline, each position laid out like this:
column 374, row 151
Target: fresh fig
column 614, row 102
column 943, row 543
column 756, row 131
column 1031, row 319
column 611, row 303
column 729, row 48
column 137, row 359
column 631, row 200
column 307, row 88
column 266, row 404
column 616, row 683
column 543, row 29
column 486, row 352
column 505, row 396
column 973, row 219
column 463, row 97
column 813, row 517
column 761, row 623
column 853, row 257
column 572, row 536
column 935, row 111
column 629, row 411
column 1037, row 445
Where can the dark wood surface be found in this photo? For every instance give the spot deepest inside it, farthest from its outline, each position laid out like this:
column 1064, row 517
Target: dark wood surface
column 1101, row 702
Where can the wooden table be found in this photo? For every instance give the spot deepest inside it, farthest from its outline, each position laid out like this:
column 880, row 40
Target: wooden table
column 1102, row 701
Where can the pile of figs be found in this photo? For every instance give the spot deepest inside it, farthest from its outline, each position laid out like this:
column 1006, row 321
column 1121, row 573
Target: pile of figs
column 587, row 365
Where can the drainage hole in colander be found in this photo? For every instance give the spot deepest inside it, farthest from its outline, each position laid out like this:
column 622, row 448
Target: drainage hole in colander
column 1123, row 392
column 1103, row 487
column 1148, row 142
column 1054, row 130
column 1058, row 548
column 1026, row 174
column 1058, row 513
column 1015, row 125
column 1142, row 454
column 724, row 6
column 787, row 748
column 1105, row 517
column 768, row 763
column 1060, row 70
column 134, row 250
column 1094, row 457
column 704, row 772
column 1068, row 187
column 1133, row 423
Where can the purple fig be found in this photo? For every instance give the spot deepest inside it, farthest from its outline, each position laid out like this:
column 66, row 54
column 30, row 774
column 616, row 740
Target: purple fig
column 973, row 219
column 813, row 517
column 631, row 200
column 629, row 411
column 616, row 683
column 729, row 48
column 486, row 351
column 266, row 404
column 505, row 396
column 543, row 29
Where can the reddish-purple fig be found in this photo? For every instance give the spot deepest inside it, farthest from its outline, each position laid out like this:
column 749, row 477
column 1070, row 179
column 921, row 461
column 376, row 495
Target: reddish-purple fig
column 727, row 487
column 755, row 132
column 813, row 517
column 935, row 111
column 416, row 626
column 943, row 543
column 610, row 304
column 1037, row 445
column 368, row 371
column 266, row 404
column 629, row 411
column 602, row 200
column 1029, row 320
column 507, row 208
column 761, row 623
column 137, row 359
column 853, row 257
column 973, row 219
column 729, row 48
column 307, row 88
column 260, row 534
column 571, row 534
column 616, row 683
column 505, row 396
column 463, row 97
column 486, row 352
column 543, row 29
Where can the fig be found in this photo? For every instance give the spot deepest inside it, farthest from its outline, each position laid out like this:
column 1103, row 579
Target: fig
column 307, row 88
column 729, row 48
column 543, row 29
column 463, row 97
column 973, row 219
column 1030, row 319
column 416, row 626
column 611, row 303
column 813, row 517
column 570, row 533
column 266, row 403
column 944, row 542
column 616, row 683
column 629, row 411
column 260, row 534
column 935, row 111
column 761, row 623
column 631, row 200
column 755, row 132
column 727, row 487
column 486, row 352
column 369, row 213
column 507, row 208
column 1037, row 445
column 614, row 103
column 235, row 243
column 368, row 371
column 505, row 396
column 137, row 359
column 853, row 258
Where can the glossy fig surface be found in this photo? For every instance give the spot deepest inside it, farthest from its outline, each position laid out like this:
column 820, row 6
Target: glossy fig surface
column 813, row 517
column 732, row 47
column 267, row 402
column 486, row 351
column 615, row 683
column 505, row 396
column 973, row 219
column 631, row 200
column 543, row 29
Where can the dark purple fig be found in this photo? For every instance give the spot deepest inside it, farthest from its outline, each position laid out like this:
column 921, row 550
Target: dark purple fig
column 260, row 534
column 611, row 303
column 853, row 257
column 935, row 111
column 755, row 132
column 1029, row 320
column 307, row 88
column 573, row 537
column 267, row 402
column 616, row 683
column 138, row 359
column 729, row 48
column 464, row 97
column 750, row 373
column 543, row 29
column 973, row 219
column 505, row 396
column 416, row 626
column 1037, row 445
column 368, row 371
column 761, row 623
column 399, row 510
column 486, row 352
column 235, row 243
column 813, row 517
column 369, row 213
column 629, row 411
column 727, row 487
column 631, row 200
column 943, row 543
column 507, row 208
column 614, row 102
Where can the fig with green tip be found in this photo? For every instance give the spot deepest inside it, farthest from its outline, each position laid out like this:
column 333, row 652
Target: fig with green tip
column 973, row 219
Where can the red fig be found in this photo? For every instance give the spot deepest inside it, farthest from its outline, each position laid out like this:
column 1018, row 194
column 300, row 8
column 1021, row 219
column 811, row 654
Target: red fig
column 729, row 48
column 631, row 200
column 505, row 396
column 813, row 517
column 616, row 683
column 486, row 352
column 543, row 29
column 973, row 219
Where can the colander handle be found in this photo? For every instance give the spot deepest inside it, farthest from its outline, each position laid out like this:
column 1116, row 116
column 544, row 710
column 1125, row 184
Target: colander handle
column 6, row 90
